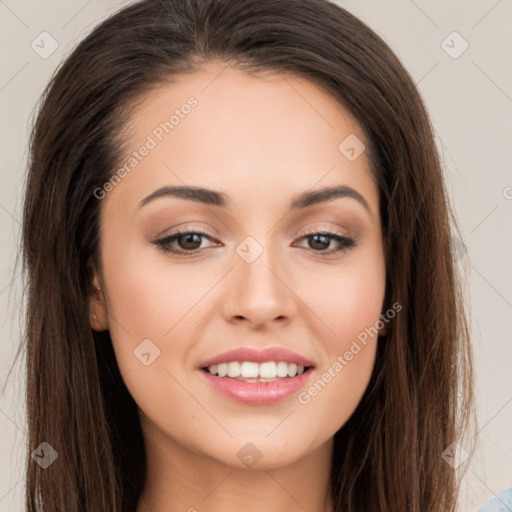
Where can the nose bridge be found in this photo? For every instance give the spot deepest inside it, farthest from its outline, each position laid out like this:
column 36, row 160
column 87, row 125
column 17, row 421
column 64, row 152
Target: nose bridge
column 259, row 293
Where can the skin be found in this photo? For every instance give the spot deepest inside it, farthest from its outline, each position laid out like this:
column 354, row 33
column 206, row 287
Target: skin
column 261, row 140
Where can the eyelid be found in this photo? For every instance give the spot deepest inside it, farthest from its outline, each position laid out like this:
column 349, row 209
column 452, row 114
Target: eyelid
column 324, row 229
column 182, row 228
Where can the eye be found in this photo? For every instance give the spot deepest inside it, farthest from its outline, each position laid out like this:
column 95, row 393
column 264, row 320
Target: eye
column 320, row 241
column 188, row 242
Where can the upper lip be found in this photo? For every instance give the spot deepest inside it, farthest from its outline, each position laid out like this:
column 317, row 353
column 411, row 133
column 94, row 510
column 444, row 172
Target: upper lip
column 258, row 356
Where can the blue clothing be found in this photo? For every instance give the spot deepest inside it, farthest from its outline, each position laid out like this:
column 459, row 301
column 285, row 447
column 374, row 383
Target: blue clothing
column 502, row 502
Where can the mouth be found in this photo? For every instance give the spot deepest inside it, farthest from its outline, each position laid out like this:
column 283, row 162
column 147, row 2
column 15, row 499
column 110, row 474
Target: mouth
column 250, row 371
column 257, row 377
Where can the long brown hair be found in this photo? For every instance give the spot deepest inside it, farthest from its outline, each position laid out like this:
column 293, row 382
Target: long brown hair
column 388, row 456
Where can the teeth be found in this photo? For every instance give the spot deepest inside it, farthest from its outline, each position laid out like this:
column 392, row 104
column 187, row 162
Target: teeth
column 222, row 369
column 292, row 370
column 248, row 369
column 251, row 370
column 234, row 369
column 282, row 369
column 268, row 370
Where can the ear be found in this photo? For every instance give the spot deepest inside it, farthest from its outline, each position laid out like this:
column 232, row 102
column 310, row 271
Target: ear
column 98, row 310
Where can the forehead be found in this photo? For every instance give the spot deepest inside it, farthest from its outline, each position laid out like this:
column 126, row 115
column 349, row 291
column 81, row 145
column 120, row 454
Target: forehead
column 236, row 99
column 222, row 128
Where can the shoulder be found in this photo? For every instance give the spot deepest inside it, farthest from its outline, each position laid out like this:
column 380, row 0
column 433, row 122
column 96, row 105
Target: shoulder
column 501, row 502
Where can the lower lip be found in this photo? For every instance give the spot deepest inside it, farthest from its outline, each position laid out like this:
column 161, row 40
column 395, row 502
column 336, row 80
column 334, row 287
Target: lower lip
column 258, row 393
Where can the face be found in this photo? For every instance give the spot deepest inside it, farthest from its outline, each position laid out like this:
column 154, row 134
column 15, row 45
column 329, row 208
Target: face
column 260, row 262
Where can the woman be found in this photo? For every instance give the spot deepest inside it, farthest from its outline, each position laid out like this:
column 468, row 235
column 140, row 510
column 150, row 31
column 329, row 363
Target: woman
column 241, row 289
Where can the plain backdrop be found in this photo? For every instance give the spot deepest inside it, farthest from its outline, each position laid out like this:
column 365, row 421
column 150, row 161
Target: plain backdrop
column 459, row 54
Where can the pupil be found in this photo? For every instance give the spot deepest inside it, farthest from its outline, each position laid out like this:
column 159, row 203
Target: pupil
column 190, row 238
column 323, row 240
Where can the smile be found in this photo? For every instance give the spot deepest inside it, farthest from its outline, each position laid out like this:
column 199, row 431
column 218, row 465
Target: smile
column 250, row 371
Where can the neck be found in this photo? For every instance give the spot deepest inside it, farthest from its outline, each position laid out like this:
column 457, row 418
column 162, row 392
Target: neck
column 178, row 479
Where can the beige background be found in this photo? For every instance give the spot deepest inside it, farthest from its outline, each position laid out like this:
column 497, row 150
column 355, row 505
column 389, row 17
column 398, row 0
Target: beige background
column 470, row 101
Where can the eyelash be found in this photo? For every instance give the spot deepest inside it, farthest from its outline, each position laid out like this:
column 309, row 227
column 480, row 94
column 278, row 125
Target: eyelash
column 164, row 243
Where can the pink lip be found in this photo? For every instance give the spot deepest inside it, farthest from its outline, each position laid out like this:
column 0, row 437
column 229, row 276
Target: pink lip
column 257, row 393
column 258, row 356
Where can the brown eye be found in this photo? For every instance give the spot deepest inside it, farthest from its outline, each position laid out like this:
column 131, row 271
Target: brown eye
column 182, row 243
column 320, row 242
column 189, row 241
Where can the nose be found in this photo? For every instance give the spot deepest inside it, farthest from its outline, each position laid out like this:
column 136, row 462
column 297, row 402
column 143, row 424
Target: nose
column 259, row 293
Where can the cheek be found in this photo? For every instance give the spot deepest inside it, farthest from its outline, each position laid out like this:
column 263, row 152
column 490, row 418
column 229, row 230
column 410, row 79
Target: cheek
column 150, row 307
column 149, row 296
column 351, row 309
column 349, row 303
column 347, row 300
column 151, row 299
column 338, row 387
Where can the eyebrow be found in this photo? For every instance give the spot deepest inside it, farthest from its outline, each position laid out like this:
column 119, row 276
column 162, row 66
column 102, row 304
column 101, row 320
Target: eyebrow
column 214, row 198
